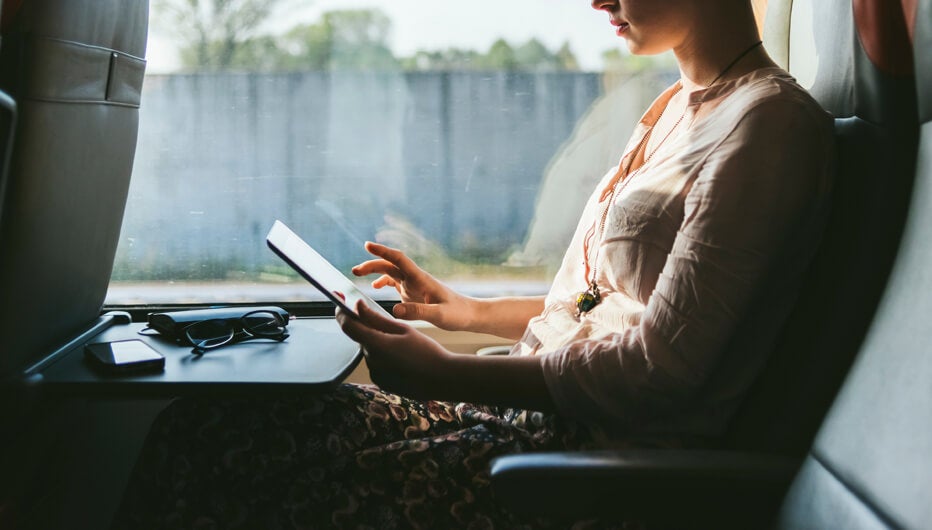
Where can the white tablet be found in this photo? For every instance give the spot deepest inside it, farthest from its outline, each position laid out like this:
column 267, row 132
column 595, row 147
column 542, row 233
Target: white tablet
column 317, row 270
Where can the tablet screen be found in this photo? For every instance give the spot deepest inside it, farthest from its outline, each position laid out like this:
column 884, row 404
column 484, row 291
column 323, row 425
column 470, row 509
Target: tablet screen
column 317, row 270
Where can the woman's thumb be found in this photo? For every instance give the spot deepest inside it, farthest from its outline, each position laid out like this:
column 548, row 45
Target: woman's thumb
column 414, row 311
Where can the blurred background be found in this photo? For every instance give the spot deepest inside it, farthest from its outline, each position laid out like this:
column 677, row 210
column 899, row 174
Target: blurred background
column 467, row 134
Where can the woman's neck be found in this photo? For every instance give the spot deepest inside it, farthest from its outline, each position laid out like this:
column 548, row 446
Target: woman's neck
column 716, row 43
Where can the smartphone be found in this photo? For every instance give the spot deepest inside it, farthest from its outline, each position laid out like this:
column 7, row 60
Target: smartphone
column 124, row 356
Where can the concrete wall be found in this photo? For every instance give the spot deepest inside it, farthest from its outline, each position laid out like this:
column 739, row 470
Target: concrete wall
column 449, row 158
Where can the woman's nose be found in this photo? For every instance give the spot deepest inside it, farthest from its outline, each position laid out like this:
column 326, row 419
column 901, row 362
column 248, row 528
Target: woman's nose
column 603, row 5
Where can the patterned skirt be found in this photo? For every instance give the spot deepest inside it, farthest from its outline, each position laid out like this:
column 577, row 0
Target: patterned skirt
column 358, row 457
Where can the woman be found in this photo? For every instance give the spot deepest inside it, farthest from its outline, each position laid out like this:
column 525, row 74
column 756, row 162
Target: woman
column 684, row 264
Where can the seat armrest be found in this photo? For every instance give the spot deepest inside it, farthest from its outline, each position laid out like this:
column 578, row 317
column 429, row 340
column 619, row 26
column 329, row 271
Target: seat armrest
column 490, row 351
column 673, row 487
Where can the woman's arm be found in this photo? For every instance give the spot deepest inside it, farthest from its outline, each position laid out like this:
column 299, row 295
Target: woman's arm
column 425, row 298
column 505, row 317
column 407, row 362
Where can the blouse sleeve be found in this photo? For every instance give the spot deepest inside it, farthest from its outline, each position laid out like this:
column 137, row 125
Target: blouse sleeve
column 753, row 196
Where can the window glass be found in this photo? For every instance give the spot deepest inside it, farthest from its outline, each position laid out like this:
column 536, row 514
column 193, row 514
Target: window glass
column 468, row 134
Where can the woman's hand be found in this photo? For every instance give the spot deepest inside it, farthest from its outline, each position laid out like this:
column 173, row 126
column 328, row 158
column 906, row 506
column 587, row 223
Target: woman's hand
column 400, row 358
column 422, row 296
column 404, row 361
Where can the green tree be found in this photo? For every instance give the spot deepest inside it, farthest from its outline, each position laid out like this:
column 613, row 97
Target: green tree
column 359, row 39
column 345, row 39
column 530, row 56
column 305, row 47
column 454, row 59
column 257, row 54
column 501, row 56
column 212, row 31
column 533, row 55
column 566, row 58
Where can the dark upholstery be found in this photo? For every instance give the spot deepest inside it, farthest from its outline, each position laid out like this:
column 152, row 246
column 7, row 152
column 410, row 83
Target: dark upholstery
column 682, row 489
column 923, row 44
column 876, row 131
column 871, row 464
column 74, row 68
column 7, row 128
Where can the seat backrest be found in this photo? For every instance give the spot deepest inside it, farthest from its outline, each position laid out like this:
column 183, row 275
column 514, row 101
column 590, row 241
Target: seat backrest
column 871, row 463
column 7, row 124
column 74, row 69
column 850, row 55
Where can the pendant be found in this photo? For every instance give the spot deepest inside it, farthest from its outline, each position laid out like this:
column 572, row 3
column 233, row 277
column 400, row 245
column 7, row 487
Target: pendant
column 588, row 299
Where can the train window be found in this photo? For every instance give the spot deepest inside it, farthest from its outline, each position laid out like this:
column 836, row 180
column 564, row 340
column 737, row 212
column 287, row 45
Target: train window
column 468, row 134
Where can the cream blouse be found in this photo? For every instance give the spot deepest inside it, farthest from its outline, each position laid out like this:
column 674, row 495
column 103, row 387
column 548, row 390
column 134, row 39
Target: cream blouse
column 698, row 266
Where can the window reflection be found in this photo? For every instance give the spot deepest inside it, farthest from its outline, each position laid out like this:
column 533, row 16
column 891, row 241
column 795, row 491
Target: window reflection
column 468, row 158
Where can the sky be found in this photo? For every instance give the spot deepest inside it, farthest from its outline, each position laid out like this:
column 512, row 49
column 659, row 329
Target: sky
column 440, row 24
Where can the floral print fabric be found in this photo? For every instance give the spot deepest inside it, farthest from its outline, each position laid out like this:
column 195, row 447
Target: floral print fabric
column 355, row 458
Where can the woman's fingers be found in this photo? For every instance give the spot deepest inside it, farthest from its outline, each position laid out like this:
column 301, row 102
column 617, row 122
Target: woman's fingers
column 369, row 328
column 379, row 322
column 384, row 281
column 398, row 258
column 377, row 266
column 353, row 327
column 412, row 311
column 356, row 330
column 400, row 358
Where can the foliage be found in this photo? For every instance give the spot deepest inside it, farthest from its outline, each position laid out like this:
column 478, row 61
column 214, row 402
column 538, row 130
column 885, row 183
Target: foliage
column 355, row 39
column 501, row 56
column 531, row 56
column 213, row 31
column 346, row 39
column 223, row 35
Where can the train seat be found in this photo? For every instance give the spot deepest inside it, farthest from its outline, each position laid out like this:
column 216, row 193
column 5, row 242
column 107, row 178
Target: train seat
column 76, row 74
column 870, row 466
column 857, row 71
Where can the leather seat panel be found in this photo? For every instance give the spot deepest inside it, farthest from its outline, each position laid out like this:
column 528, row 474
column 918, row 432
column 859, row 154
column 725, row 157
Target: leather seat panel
column 70, row 248
column 876, row 140
column 115, row 24
column 909, row 13
column 68, row 71
column 923, row 47
column 881, row 31
column 776, row 32
column 818, row 500
column 76, row 68
column 822, row 61
column 878, row 434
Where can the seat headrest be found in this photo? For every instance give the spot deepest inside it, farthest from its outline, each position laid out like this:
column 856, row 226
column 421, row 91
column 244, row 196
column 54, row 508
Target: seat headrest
column 922, row 35
column 8, row 11
column 854, row 56
column 884, row 33
column 113, row 24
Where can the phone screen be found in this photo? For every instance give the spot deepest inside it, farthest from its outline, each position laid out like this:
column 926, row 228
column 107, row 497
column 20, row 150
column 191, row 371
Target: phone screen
column 125, row 354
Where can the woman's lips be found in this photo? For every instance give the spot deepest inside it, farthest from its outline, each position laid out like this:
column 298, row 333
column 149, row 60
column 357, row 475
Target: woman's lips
column 621, row 26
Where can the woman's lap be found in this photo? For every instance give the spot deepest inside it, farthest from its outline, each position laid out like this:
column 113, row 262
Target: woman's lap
column 354, row 457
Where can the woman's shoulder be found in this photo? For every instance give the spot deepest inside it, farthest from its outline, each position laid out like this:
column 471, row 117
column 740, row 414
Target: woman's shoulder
column 772, row 113
column 768, row 98
column 776, row 88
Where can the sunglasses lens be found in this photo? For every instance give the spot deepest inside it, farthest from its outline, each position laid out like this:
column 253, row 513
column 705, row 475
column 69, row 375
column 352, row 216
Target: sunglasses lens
column 210, row 333
column 264, row 324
